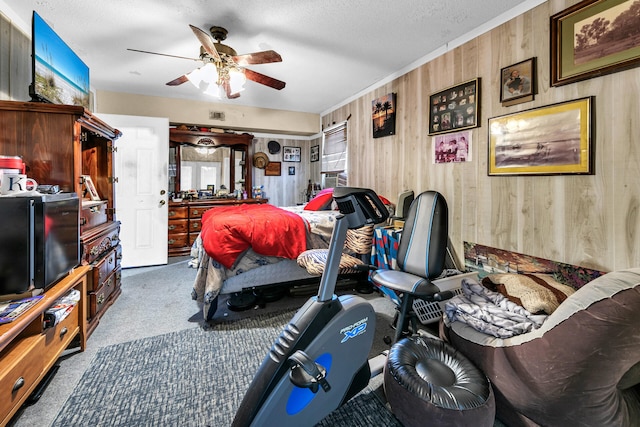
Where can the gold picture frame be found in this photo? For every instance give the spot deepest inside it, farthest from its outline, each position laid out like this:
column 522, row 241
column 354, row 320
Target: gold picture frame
column 551, row 140
column 593, row 38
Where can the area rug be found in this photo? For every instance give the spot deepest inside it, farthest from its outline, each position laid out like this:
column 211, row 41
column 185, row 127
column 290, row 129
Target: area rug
column 194, row 377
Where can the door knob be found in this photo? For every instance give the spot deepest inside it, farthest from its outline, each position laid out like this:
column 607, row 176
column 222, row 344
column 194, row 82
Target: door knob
column 162, row 202
column 163, row 192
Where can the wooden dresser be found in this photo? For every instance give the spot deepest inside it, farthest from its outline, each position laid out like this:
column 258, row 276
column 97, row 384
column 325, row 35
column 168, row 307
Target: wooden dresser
column 28, row 350
column 62, row 145
column 185, row 221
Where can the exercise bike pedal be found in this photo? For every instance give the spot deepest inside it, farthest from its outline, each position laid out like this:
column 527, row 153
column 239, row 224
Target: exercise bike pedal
column 305, row 373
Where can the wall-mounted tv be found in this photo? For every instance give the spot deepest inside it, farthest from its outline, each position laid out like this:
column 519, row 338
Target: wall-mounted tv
column 59, row 75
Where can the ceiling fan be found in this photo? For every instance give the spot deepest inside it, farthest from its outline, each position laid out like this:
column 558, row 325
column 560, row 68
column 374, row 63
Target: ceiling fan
column 224, row 70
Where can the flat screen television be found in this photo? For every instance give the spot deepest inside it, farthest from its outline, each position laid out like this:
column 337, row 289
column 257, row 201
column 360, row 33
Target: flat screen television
column 58, row 75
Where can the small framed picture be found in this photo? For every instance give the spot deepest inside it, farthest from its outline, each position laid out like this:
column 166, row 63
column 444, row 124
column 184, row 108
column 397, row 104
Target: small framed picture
column 315, row 153
column 273, row 169
column 90, row 189
column 291, row 154
column 518, row 82
column 383, row 115
column 292, row 170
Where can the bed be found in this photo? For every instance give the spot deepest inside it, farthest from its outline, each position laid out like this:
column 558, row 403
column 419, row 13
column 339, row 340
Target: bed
column 249, row 267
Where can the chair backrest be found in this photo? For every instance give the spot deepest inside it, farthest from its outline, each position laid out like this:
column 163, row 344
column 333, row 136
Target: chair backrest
column 404, row 202
column 423, row 245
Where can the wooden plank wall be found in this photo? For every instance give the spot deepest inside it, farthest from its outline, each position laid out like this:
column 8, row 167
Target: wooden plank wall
column 15, row 62
column 287, row 190
column 593, row 221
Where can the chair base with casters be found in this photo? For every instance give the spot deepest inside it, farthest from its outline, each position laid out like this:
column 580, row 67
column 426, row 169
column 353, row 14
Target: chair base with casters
column 426, row 379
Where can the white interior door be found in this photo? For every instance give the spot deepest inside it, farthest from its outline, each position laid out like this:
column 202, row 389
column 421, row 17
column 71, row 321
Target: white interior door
column 141, row 200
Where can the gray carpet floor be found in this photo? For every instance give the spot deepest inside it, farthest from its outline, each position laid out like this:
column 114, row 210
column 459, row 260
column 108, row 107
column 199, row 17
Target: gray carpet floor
column 154, row 301
column 191, row 378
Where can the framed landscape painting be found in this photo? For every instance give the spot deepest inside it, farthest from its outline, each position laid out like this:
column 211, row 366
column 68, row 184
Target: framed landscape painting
column 551, row 140
column 594, row 38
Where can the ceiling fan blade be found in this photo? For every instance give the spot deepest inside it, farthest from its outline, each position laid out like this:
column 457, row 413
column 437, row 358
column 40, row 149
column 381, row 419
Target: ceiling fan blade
column 206, row 41
column 165, row 54
column 264, row 57
column 262, row 79
column 178, row 81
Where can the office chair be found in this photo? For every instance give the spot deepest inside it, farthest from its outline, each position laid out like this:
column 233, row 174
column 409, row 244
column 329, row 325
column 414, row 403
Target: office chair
column 404, row 202
column 421, row 258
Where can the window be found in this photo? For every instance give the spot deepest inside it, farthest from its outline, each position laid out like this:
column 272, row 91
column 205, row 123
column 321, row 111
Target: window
column 334, row 154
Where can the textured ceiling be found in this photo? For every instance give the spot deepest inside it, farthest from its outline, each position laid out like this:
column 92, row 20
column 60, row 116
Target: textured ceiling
column 331, row 49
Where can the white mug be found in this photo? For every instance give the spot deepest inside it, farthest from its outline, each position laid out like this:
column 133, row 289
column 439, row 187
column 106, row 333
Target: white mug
column 15, row 183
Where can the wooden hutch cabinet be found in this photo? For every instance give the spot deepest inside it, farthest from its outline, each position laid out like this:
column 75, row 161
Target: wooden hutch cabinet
column 60, row 145
column 185, row 215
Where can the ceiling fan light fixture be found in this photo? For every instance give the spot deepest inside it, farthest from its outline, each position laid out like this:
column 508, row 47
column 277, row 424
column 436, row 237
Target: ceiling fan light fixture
column 214, row 90
column 204, row 77
column 237, row 80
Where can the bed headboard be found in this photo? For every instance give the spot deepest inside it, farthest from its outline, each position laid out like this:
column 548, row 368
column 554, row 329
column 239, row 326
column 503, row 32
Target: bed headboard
column 486, row 260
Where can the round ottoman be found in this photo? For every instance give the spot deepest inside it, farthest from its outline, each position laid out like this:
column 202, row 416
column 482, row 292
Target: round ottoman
column 427, row 382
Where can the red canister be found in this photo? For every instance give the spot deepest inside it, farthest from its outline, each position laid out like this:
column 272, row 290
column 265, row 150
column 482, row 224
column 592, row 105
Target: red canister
column 12, row 164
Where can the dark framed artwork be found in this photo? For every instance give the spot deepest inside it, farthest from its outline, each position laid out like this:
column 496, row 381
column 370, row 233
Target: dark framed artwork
column 551, row 140
column 594, row 38
column 315, row 153
column 518, row 82
column 273, row 169
column 292, row 170
column 455, row 108
column 291, row 154
column 383, row 115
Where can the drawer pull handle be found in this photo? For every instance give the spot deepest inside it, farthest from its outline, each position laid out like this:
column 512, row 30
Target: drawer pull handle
column 171, row 241
column 63, row 332
column 172, row 227
column 18, row 384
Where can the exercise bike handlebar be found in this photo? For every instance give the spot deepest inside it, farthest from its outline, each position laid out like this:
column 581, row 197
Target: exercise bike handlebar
column 361, row 206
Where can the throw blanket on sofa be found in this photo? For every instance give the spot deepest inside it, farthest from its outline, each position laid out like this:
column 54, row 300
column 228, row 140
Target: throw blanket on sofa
column 489, row 312
column 228, row 232
column 537, row 293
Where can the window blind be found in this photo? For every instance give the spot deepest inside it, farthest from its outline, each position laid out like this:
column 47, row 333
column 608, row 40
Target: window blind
column 334, row 148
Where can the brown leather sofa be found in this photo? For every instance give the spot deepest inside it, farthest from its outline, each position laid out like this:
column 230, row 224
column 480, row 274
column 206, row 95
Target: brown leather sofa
column 580, row 368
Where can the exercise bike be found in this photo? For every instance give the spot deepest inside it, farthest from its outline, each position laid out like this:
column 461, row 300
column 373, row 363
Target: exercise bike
column 320, row 360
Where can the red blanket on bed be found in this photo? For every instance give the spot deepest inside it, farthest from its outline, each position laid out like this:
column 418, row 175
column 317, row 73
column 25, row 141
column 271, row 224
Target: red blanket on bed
column 228, row 232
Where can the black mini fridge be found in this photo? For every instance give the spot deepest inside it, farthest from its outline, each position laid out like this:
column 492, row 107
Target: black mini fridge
column 39, row 240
